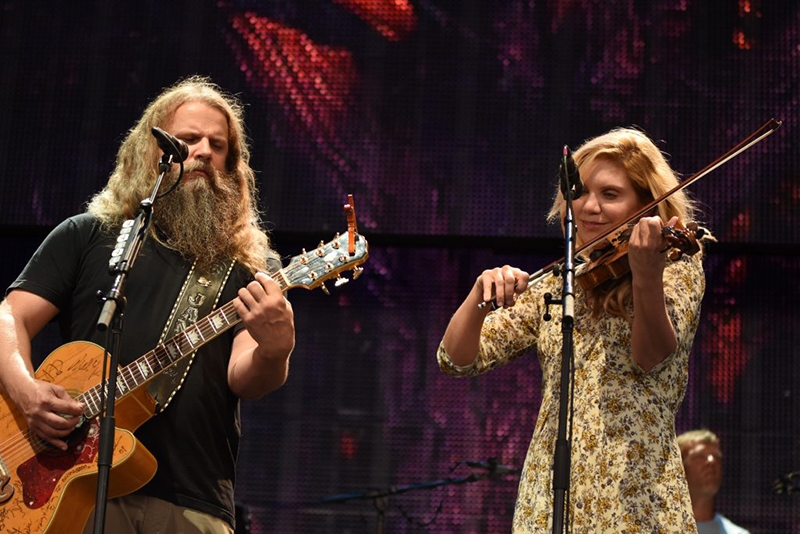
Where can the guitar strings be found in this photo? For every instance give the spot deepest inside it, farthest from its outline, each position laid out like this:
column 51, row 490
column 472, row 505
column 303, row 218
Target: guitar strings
column 19, row 444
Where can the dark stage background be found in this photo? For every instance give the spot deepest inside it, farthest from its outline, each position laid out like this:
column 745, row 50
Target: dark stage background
column 445, row 119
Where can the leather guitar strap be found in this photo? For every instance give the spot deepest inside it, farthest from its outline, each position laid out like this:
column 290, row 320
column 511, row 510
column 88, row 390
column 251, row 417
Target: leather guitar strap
column 198, row 296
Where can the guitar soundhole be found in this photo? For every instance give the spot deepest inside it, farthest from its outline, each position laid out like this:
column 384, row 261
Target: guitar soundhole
column 74, row 440
column 6, row 489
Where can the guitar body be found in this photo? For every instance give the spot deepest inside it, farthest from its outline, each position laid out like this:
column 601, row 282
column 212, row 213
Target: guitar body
column 43, row 489
column 47, row 490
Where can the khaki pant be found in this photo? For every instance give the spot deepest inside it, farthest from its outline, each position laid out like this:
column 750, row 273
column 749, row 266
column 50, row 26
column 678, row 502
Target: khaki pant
column 139, row 514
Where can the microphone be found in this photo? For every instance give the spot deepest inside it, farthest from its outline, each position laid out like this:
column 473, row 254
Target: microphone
column 571, row 181
column 171, row 145
column 493, row 467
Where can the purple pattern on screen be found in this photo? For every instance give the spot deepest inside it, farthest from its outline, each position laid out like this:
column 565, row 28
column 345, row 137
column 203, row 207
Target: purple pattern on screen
column 445, row 119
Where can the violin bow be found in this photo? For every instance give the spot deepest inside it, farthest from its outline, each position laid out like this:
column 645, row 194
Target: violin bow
column 751, row 140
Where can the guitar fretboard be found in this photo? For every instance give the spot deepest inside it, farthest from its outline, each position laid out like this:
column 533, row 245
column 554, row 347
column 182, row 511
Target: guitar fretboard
column 150, row 364
column 308, row 270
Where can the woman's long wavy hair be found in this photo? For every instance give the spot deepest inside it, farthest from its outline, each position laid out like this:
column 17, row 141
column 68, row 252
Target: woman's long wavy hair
column 136, row 169
column 651, row 176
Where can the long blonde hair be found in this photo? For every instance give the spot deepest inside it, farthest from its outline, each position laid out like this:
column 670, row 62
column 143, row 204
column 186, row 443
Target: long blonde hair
column 651, row 176
column 136, row 168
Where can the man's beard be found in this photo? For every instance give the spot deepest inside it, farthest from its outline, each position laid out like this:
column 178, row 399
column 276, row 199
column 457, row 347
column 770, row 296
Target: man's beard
column 196, row 218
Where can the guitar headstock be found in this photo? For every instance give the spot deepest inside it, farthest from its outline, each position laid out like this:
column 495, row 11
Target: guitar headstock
column 312, row 268
column 343, row 253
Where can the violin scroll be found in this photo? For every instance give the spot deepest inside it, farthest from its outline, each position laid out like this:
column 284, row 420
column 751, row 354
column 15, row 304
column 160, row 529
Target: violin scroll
column 682, row 240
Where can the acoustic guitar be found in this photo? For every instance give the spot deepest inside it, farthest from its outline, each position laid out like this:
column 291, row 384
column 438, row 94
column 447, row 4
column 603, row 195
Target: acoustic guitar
column 44, row 489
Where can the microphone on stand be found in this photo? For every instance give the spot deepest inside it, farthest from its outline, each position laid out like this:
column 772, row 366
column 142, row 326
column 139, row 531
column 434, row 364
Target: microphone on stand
column 572, row 178
column 493, row 467
column 171, row 145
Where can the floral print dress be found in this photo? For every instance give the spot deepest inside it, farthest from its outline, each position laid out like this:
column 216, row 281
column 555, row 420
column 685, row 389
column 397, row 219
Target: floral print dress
column 626, row 470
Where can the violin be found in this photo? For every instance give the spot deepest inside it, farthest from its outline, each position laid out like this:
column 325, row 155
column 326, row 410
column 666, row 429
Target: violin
column 611, row 262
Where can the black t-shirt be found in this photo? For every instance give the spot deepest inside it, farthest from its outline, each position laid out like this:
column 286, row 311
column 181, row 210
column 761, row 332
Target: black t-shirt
column 196, row 438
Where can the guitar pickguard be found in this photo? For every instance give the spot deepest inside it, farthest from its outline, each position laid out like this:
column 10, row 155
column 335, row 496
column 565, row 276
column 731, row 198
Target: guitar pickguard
column 40, row 474
column 46, row 490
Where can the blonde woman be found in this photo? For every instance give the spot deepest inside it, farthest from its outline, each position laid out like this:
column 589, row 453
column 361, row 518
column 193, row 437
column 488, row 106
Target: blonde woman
column 632, row 340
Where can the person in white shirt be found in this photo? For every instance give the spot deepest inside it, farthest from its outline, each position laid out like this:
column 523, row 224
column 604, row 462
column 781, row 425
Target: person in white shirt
column 702, row 462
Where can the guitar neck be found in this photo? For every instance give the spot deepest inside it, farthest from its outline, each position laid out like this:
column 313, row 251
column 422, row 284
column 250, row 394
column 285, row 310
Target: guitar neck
column 164, row 355
column 309, row 270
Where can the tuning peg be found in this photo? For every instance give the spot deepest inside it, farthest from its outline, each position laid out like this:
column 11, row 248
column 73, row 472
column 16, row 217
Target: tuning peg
column 357, row 272
column 324, row 288
column 340, row 281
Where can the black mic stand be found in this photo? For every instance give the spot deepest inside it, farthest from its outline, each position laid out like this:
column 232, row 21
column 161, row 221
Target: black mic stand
column 132, row 235
column 380, row 498
column 562, row 457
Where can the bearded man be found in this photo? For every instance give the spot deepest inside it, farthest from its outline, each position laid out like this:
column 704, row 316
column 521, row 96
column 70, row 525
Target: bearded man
column 205, row 244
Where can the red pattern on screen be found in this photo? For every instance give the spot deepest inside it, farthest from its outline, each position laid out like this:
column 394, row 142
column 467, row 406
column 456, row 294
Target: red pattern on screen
column 394, row 19
column 312, row 83
column 725, row 342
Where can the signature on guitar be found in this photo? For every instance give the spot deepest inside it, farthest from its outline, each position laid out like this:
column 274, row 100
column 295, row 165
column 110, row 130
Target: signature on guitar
column 44, row 489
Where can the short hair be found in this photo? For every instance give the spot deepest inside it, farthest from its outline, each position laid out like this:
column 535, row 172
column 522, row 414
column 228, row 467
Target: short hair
column 700, row 435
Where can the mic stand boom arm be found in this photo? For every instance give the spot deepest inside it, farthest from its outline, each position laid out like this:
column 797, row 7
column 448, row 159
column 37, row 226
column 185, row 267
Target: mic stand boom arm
column 380, row 497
